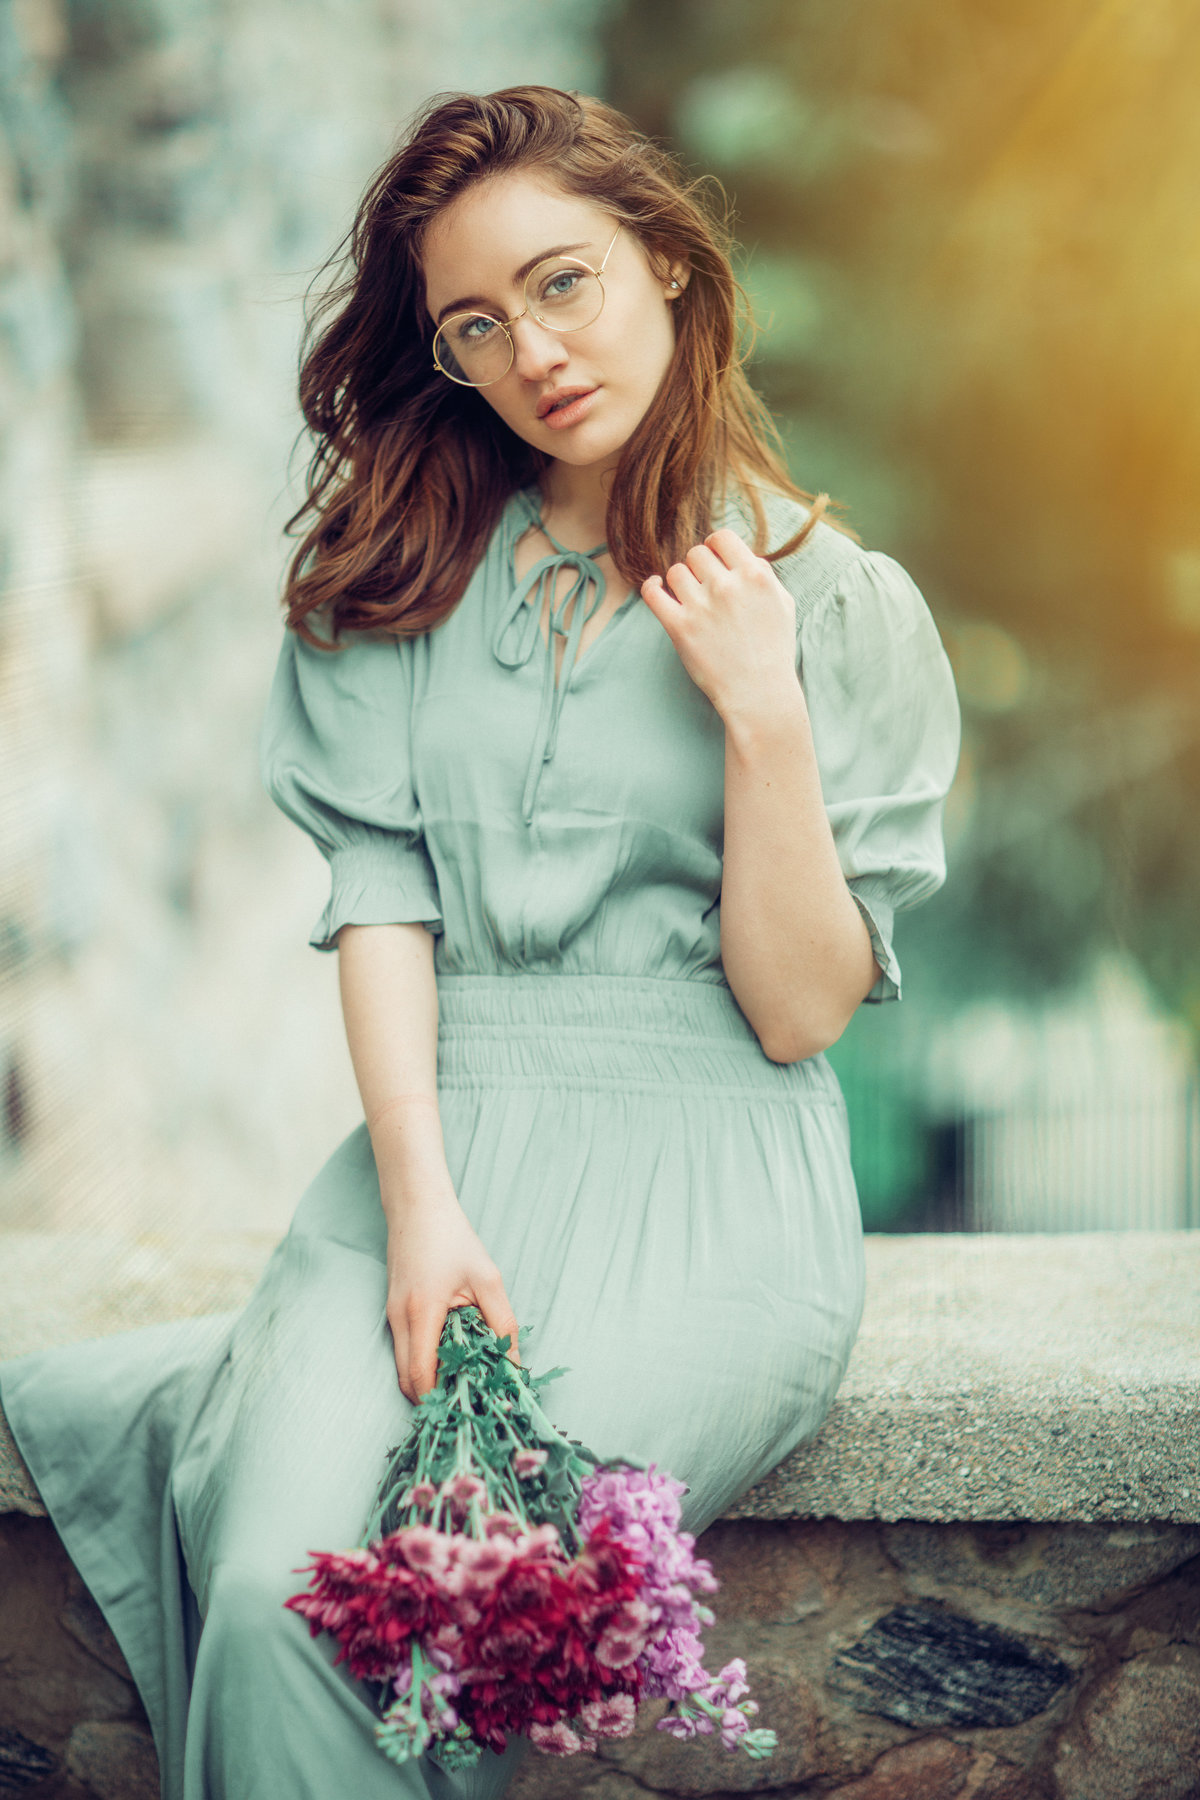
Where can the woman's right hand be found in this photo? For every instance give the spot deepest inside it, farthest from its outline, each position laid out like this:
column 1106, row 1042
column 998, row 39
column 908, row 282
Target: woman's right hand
column 436, row 1261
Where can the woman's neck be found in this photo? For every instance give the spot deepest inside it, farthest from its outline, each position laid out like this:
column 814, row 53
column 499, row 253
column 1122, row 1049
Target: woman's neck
column 575, row 504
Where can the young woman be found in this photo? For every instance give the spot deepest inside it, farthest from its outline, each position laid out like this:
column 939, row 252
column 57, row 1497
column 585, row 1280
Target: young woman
column 622, row 759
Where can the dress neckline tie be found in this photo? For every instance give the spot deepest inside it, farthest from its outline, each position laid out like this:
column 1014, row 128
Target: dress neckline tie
column 518, row 634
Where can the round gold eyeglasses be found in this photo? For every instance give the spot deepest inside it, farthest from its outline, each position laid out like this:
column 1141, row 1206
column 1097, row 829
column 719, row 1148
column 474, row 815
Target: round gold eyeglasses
column 561, row 292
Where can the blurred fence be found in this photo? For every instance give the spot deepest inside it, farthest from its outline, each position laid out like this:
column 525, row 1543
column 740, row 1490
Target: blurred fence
column 1078, row 1116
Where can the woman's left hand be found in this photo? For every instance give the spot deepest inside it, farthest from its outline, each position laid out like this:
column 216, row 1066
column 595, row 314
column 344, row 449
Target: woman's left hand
column 732, row 622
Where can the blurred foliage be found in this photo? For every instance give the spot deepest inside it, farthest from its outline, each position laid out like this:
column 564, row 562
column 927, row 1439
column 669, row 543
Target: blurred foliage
column 970, row 241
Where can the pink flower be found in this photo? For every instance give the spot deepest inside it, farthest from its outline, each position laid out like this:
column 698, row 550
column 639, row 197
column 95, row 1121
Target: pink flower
column 556, row 1740
column 445, row 1641
column 424, row 1550
column 533, row 1543
column 481, row 1564
column 528, row 1462
column 610, row 1718
column 461, row 1490
column 422, row 1494
column 616, row 1651
column 632, row 1619
column 502, row 1524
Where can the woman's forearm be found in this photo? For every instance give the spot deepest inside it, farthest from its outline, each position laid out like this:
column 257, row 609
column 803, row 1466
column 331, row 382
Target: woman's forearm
column 796, row 950
column 389, row 1004
column 434, row 1258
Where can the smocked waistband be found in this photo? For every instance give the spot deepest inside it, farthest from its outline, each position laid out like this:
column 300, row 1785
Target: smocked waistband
column 610, row 1031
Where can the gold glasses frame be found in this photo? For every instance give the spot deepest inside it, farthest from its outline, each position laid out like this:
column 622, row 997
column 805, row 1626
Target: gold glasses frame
column 573, row 261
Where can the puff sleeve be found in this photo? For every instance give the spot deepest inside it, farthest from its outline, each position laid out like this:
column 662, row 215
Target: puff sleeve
column 335, row 756
column 886, row 727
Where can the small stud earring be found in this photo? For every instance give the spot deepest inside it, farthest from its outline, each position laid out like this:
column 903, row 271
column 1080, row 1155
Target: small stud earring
column 674, row 284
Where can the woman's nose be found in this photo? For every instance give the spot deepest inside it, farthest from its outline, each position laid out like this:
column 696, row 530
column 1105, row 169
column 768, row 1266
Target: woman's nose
column 537, row 349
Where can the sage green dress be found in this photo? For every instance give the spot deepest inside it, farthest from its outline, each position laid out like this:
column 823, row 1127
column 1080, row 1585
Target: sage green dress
column 673, row 1213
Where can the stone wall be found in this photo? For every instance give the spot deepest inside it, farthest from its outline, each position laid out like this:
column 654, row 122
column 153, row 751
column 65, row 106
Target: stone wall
column 909, row 1661
column 71, row 1724
column 911, row 1635
column 172, row 175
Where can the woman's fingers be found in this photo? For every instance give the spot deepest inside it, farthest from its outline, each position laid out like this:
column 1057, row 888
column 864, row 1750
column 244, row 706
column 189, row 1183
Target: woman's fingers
column 682, row 583
column 424, row 1320
column 498, row 1313
column 733, row 550
column 400, row 1352
column 704, row 562
column 417, row 1323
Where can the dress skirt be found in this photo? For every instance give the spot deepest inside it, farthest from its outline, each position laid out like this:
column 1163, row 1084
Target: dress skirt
column 674, row 1217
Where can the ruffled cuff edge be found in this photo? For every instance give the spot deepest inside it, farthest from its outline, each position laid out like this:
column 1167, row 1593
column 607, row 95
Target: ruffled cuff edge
column 370, row 887
column 879, row 916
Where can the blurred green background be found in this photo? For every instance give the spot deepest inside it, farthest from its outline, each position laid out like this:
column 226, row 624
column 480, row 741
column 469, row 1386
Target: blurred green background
column 970, row 236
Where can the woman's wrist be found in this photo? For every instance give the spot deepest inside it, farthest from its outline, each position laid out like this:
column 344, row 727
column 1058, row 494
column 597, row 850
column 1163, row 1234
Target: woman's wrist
column 410, row 1152
column 413, row 1192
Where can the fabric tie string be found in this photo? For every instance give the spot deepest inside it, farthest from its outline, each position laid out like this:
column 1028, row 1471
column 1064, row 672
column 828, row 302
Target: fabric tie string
column 518, row 633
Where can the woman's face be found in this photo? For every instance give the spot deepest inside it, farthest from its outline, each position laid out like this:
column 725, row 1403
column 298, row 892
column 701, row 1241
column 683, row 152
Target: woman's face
column 473, row 254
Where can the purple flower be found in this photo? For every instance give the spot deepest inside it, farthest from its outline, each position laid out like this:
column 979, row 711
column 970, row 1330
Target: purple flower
column 732, row 1679
column 733, row 1726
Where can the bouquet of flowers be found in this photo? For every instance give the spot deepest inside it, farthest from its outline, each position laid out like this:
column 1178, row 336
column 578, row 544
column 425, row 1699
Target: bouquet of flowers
column 510, row 1581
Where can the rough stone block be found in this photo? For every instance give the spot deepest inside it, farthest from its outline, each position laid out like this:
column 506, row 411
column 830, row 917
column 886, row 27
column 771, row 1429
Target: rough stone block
column 934, row 1768
column 1170, row 1610
column 1136, row 1732
column 48, row 1680
column 1060, row 1565
column 116, row 1761
column 766, row 1571
column 564, row 1778
column 924, row 1665
column 22, row 1762
column 789, row 1704
column 88, row 1626
column 941, row 1769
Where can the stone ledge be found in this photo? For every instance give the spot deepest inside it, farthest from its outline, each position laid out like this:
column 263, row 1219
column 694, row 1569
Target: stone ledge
column 996, row 1377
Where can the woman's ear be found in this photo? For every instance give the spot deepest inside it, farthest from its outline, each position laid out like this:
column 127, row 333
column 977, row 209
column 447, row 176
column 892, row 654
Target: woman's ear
column 672, row 272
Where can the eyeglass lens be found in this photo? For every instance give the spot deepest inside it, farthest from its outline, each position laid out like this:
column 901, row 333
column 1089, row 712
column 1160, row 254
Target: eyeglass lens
column 476, row 349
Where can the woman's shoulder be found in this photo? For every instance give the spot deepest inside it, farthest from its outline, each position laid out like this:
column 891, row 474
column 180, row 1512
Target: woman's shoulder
column 814, row 572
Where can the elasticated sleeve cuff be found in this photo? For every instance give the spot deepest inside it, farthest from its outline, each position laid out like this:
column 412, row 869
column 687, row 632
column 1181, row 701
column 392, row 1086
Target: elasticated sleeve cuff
column 385, row 883
column 879, row 916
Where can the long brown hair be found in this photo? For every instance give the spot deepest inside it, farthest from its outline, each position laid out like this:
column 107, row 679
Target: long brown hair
column 410, row 472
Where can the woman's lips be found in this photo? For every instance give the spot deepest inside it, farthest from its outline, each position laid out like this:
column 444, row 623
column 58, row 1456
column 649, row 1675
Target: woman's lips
column 571, row 413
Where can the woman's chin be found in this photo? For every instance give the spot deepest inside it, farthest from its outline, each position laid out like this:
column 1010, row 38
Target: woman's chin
column 584, row 449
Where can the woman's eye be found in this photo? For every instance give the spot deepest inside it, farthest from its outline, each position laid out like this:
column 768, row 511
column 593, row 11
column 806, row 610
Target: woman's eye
column 475, row 329
column 560, row 284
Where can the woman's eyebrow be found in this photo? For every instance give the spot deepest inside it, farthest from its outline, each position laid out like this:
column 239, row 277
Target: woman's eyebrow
column 472, row 300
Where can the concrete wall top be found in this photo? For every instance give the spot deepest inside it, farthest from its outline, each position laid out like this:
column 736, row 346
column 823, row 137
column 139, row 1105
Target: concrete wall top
column 1039, row 1376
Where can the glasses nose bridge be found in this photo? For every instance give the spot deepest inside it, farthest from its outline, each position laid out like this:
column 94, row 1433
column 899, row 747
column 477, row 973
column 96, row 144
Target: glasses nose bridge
column 540, row 331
